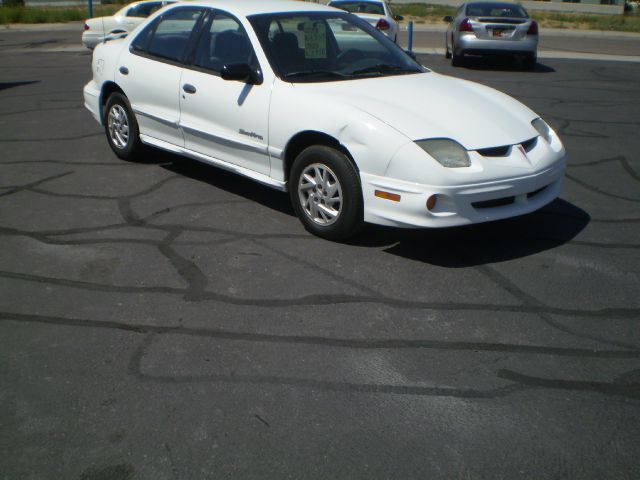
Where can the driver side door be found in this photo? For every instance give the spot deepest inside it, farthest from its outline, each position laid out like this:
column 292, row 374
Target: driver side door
column 225, row 119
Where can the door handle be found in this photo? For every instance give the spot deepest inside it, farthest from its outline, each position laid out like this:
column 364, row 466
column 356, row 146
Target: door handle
column 188, row 88
column 124, row 70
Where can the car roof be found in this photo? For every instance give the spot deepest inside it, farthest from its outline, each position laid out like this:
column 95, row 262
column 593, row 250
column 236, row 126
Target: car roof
column 256, row 7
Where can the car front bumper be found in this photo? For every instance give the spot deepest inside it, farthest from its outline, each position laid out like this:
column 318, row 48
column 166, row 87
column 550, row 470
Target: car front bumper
column 461, row 204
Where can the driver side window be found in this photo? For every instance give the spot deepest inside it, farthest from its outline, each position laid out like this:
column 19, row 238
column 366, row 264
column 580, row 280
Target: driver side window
column 223, row 42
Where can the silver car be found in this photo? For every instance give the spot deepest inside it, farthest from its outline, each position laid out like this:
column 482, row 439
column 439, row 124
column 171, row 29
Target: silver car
column 491, row 28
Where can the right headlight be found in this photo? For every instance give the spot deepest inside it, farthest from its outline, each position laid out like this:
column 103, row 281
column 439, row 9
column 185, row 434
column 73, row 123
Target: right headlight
column 543, row 129
column 447, row 152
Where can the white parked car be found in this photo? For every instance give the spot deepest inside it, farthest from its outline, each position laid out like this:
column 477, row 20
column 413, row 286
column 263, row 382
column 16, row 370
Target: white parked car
column 123, row 21
column 317, row 102
column 376, row 12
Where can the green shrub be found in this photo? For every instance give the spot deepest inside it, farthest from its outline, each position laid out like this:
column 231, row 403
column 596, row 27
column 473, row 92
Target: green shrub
column 51, row 14
column 13, row 3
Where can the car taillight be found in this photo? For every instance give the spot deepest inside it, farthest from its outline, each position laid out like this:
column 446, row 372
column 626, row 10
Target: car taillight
column 465, row 26
column 382, row 24
column 533, row 28
column 86, row 27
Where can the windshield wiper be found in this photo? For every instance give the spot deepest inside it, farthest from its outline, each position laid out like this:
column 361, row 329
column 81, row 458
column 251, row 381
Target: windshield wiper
column 315, row 73
column 383, row 68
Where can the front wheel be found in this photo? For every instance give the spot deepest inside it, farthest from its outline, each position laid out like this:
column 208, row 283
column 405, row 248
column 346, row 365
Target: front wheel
column 325, row 193
column 121, row 128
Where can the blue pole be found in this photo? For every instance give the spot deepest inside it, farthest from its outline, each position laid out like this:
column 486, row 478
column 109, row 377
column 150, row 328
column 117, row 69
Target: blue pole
column 409, row 33
column 90, row 8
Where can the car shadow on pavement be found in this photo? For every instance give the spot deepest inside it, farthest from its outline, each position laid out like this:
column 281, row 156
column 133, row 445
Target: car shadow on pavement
column 224, row 180
column 502, row 64
column 458, row 247
column 7, row 85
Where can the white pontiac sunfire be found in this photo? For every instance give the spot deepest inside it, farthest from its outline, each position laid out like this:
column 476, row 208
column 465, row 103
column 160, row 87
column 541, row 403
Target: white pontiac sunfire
column 313, row 100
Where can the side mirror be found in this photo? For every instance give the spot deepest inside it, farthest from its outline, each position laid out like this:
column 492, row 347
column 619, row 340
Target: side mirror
column 398, row 18
column 448, row 18
column 241, row 72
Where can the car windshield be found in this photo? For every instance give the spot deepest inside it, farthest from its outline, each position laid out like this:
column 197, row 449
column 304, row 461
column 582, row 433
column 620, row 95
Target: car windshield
column 324, row 46
column 374, row 8
column 496, row 10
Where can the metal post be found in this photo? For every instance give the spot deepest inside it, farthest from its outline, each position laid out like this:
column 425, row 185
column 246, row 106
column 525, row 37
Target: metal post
column 409, row 33
column 90, row 8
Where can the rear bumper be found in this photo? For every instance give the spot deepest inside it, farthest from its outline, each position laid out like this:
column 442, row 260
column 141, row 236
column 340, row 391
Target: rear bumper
column 91, row 39
column 459, row 205
column 470, row 44
column 91, row 94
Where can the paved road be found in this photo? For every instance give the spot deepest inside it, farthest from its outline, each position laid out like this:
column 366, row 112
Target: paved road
column 167, row 320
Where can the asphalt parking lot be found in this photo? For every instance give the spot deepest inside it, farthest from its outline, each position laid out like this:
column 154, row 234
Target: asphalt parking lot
column 168, row 320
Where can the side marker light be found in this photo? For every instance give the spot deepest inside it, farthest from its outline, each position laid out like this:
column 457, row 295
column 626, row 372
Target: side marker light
column 394, row 197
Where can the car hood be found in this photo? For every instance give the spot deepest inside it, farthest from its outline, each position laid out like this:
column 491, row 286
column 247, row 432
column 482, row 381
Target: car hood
column 430, row 105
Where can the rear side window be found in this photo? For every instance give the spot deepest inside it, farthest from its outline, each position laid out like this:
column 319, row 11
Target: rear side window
column 143, row 10
column 496, row 10
column 169, row 36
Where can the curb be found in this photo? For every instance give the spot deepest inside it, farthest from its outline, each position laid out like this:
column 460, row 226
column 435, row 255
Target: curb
column 553, row 54
column 42, row 27
column 556, row 32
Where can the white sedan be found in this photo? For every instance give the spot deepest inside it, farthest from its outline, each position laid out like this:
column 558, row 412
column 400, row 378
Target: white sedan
column 123, row 21
column 317, row 102
column 376, row 12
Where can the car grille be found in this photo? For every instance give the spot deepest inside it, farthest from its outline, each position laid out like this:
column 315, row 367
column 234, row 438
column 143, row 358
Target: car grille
column 503, row 150
column 529, row 144
column 501, row 202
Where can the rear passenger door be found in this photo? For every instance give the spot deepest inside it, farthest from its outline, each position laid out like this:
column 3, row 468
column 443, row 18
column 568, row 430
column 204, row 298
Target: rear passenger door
column 225, row 119
column 149, row 73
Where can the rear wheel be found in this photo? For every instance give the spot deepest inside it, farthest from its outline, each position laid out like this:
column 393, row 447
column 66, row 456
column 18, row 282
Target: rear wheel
column 121, row 128
column 325, row 193
column 530, row 61
column 456, row 59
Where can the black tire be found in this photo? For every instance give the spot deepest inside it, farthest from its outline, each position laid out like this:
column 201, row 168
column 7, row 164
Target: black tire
column 447, row 53
column 529, row 62
column 121, row 128
column 313, row 201
column 456, row 60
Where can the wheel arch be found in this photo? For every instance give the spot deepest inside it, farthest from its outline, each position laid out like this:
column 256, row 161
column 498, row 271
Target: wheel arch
column 308, row 138
column 107, row 89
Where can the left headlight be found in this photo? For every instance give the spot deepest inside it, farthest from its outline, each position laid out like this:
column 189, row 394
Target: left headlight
column 447, row 152
column 543, row 129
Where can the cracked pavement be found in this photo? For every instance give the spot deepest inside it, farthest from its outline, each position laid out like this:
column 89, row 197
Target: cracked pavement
column 169, row 320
